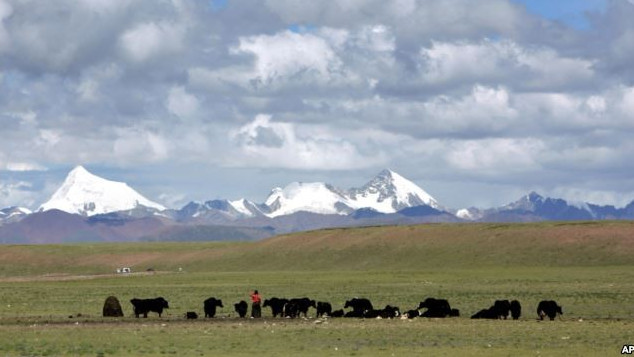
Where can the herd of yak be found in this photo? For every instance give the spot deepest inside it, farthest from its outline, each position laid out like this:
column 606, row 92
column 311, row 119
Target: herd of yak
column 358, row 307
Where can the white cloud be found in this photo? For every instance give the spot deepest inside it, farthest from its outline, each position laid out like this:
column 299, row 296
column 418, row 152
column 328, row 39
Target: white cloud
column 105, row 7
column 596, row 104
column 626, row 104
column 24, row 166
column 149, row 40
column 288, row 55
column 265, row 143
column 88, row 90
column 181, row 103
column 140, row 145
column 501, row 62
column 491, row 155
column 49, row 137
column 14, row 192
column 484, row 109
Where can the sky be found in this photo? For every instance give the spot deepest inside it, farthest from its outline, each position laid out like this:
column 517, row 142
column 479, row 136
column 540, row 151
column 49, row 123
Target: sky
column 477, row 102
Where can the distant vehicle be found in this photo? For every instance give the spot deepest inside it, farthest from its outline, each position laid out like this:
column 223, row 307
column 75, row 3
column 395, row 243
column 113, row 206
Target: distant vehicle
column 124, row 270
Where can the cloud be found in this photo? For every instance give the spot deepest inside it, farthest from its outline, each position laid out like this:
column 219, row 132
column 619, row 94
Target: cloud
column 439, row 88
column 291, row 56
column 265, row 143
column 24, row 166
column 140, row 144
column 14, row 192
column 5, row 11
column 150, row 40
column 487, row 156
column 181, row 103
column 502, row 61
column 412, row 19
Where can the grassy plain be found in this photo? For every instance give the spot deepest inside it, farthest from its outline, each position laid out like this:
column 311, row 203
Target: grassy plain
column 586, row 266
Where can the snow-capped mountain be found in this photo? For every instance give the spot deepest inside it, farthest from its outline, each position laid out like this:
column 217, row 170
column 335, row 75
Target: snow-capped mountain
column 218, row 210
column 388, row 192
column 13, row 214
column 534, row 207
column 313, row 197
column 87, row 194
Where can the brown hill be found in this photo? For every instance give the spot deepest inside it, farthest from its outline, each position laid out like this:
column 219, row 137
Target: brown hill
column 429, row 246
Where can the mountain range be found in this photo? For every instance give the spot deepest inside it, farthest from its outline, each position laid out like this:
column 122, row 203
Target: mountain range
column 87, row 207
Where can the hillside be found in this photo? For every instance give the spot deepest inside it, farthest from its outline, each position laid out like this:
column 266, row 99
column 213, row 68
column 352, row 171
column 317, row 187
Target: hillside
column 429, row 246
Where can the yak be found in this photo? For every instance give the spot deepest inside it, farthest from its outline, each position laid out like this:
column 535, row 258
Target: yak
column 241, row 308
column 435, row 308
column 143, row 306
column 210, row 306
column 516, row 309
column 323, row 308
column 548, row 308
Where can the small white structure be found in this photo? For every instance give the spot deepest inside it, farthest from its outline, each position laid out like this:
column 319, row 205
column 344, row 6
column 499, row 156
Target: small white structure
column 124, row 270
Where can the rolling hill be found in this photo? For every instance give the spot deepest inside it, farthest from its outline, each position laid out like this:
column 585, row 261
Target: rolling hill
column 406, row 248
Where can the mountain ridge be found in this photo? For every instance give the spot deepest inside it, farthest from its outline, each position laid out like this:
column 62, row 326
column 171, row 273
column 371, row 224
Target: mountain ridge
column 75, row 212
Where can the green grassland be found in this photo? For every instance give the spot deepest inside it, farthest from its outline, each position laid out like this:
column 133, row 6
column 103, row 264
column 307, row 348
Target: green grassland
column 51, row 295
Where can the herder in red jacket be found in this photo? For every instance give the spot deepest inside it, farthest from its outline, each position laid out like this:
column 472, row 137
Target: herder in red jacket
column 256, row 309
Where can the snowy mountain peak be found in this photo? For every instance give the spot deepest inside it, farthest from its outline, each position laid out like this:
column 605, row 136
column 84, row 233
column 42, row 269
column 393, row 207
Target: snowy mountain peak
column 316, row 197
column 87, row 194
column 390, row 192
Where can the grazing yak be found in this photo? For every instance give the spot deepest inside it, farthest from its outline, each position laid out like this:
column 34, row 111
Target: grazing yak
column 191, row 315
column 490, row 313
column 291, row 309
column 500, row 310
column 359, row 307
column 353, row 313
column 503, row 307
column 210, row 306
column 412, row 314
column 276, row 305
column 241, row 308
column 435, row 308
column 323, row 308
column 337, row 313
column 548, row 308
column 389, row 312
column 516, row 309
column 303, row 304
column 143, row 306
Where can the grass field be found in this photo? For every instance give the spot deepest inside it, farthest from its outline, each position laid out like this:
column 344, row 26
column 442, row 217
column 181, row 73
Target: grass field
column 586, row 267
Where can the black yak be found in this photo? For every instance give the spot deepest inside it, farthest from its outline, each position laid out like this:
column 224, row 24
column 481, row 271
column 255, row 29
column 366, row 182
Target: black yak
column 210, row 306
column 143, row 306
column 548, row 308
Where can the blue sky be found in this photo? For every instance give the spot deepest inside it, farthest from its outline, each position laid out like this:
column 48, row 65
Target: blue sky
column 571, row 12
column 197, row 100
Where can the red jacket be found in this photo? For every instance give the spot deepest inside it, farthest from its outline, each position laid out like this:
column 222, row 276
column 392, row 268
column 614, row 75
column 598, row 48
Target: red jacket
column 255, row 298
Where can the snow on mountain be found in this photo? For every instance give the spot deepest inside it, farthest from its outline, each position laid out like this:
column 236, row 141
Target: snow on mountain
column 470, row 214
column 14, row 211
column 316, row 197
column 245, row 207
column 388, row 192
column 12, row 214
column 87, row 194
column 219, row 210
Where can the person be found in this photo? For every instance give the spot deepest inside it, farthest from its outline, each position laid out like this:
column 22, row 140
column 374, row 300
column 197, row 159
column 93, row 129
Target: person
column 256, row 309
